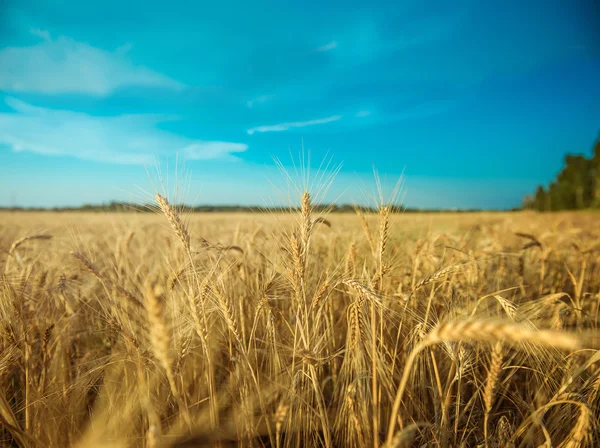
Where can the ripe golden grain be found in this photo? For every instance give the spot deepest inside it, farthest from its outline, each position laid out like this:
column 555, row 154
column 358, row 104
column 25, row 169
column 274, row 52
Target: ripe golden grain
column 309, row 346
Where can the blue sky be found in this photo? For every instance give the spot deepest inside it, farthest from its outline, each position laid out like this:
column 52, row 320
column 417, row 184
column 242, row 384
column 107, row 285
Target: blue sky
column 477, row 103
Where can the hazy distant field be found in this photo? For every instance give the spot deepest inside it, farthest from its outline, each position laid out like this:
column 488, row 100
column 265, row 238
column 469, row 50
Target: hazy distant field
column 299, row 330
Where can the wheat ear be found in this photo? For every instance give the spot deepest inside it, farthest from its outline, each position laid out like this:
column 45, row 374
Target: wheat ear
column 175, row 221
column 23, row 240
column 479, row 331
column 160, row 338
column 490, row 385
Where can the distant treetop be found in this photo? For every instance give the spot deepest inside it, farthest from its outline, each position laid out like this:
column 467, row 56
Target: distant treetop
column 577, row 186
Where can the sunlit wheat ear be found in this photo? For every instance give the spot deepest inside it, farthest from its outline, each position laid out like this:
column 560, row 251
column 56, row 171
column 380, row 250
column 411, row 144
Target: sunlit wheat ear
column 491, row 382
column 363, row 291
column 585, row 426
column 504, row 432
column 227, row 310
column 437, row 275
column 41, row 281
column 594, row 392
column 197, row 309
column 384, row 228
column 533, row 241
column 320, row 293
column 581, row 433
column 298, row 268
column 152, row 436
column 351, row 407
column 46, row 338
column 509, row 308
column 160, row 339
column 175, row 221
column 280, row 418
column 403, row 438
column 92, row 269
column 480, row 331
column 321, row 220
column 127, row 241
column 160, row 335
column 365, row 226
column 306, row 226
column 23, row 240
column 492, row 378
column 356, row 325
column 88, row 265
column 491, row 331
column 351, row 260
column 175, row 277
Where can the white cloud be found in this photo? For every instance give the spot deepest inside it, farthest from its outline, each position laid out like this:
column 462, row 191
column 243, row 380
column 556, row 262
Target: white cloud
column 42, row 34
column 124, row 49
column 128, row 139
column 259, row 100
column 363, row 113
column 294, row 124
column 212, row 150
column 328, row 47
column 64, row 65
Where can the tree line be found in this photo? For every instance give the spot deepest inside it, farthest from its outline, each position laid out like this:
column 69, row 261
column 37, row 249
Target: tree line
column 116, row 206
column 577, row 185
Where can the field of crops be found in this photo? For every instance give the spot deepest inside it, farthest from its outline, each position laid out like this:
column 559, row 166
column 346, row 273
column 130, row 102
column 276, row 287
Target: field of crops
column 299, row 330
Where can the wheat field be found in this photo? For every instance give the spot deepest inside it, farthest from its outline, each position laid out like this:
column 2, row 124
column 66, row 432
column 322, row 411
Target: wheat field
column 299, row 329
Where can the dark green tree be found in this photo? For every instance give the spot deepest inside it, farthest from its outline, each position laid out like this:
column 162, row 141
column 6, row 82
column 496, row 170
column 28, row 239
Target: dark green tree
column 577, row 185
column 595, row 175
column 540, row 199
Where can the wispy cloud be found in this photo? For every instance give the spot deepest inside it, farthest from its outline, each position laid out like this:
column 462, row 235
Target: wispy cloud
column 370, row 118
column 212, row 150
column 127, row 139
column 259, row 100
column 124, row 49
column 294, row 124
column 328, row 47
column 42, row 34
column 64, row 65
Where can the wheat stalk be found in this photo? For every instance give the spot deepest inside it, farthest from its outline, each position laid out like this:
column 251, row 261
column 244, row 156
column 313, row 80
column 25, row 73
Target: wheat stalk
column 479, row 331
column 441, row 273
column 363, row 291
column 351, row 260
column 490, row 385
column 23, row 240
column 89, row 266
column 365, row 227
column 160, row 338
column 384, row 234
column 175, row 221
column 580, row 434
column 306, row 227
column 280, row 416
